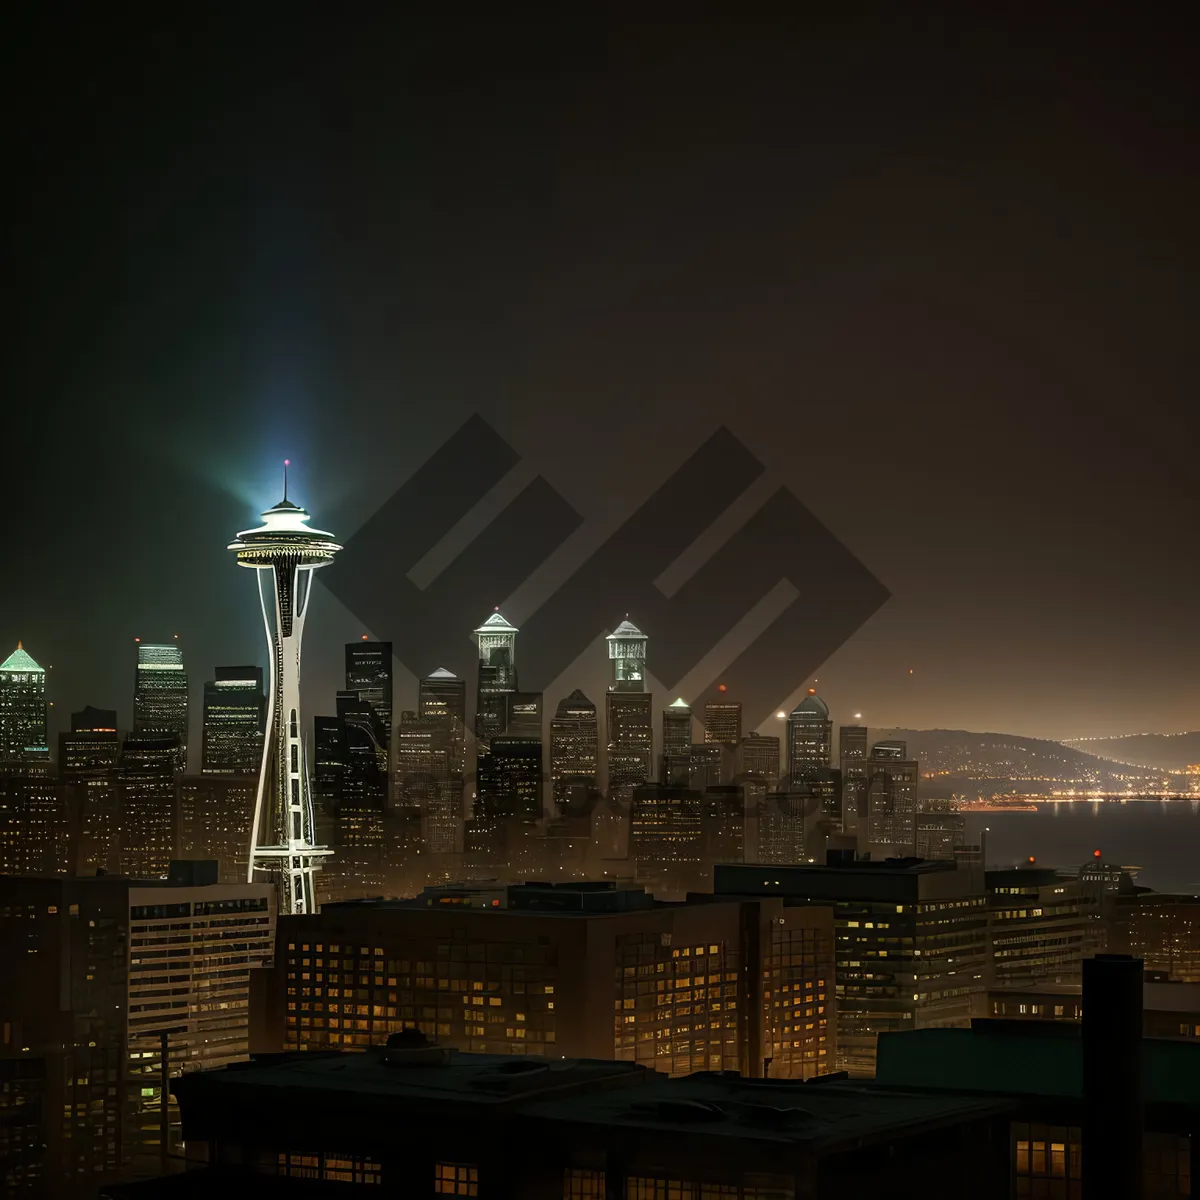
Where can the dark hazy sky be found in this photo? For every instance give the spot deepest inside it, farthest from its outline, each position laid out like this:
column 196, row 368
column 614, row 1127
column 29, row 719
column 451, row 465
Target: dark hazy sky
column 939, row 276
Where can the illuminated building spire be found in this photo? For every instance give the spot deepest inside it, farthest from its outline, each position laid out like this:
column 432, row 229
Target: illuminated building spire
column 284, row 552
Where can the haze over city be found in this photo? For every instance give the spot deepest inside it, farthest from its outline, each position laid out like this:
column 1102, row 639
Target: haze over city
column 942, row 293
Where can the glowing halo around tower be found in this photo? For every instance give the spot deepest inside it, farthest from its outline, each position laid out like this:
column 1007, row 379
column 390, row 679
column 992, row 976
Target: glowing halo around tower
column 284, row 552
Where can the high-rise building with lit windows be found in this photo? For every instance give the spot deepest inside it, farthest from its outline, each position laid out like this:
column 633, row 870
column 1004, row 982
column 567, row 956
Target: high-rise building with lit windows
column 628, row 711
column 912, row 944
column 723, row 720
column 676, row 744
column 369, row 675
column 148, row 819
column 284, row 552
column 160, row 695
column 442, row 697
column 574, row 746
column 891, row 800
column 110, row 969
column 496, row 642
column 235, row 713
column 809, row 738
column 87, row 767
column 23, row 736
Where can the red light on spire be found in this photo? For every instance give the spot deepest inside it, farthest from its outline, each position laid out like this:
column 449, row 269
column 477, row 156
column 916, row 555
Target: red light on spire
column 365, row 638
column 720, row 687
column 137, row 639
column 812, row 691
column 1032, row 859
column 1095, row 853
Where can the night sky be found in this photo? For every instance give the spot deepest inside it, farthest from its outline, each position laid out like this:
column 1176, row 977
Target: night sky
column 938, row 276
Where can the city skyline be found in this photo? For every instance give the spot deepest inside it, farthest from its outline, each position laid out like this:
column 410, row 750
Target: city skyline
column 977, row 275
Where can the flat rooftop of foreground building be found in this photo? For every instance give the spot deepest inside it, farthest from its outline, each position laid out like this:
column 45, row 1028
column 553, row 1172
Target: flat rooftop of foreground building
column 418, row 1073
column 366, row 1089
column 826, row 1116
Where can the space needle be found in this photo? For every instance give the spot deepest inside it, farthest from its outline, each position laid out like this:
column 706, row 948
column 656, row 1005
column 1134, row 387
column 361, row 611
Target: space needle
column 284, row 552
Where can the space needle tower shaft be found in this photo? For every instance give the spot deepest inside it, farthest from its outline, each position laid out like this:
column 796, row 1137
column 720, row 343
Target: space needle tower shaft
column 284, row 552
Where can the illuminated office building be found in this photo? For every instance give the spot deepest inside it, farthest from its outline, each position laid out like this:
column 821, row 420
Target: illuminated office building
column 723, row 720
column 23, row 736
column 369, row 676
column 676, row 743
column 574, row 746
column 423, row 750
column 496, row 645
column 809, row 738
column 758, row 758
column 34, row 821
column 912, row 942
column 215, row 817
column 108, row 967
column 1038, row 927
column 146, row 782
column 87, row 767
column 160, row 696
column 283, row 553
column 628, row 711
column 581, row 969
column 442, row 697
column 235, row 715
column 891, row 787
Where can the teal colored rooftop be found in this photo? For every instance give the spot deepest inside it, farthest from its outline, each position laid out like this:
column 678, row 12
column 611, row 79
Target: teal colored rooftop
column 19, row 660
column 1015, row 1064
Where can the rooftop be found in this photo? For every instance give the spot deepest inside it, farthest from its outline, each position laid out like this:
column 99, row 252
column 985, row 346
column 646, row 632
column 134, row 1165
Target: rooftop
column 496, row 623
column 626, row 629
column 1009, row 1058
column 19, row 660
column 823, row 1116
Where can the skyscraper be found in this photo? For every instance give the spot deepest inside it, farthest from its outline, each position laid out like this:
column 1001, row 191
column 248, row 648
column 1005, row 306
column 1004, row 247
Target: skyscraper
column 160, row 695
column 676, row 733
column 852, row 749
column 22, row 709
column 809, row 738
column 235, row 713
column 628, row 711
column 422, row 751
column 574, row 746
column 87, row 767
column 443, row 697
column 369, row 674
column 146, row 774
column 361, row 801
column 496, row 640
column 284, row 552
column 723, row 720
column 891, row 800
column 758, row 756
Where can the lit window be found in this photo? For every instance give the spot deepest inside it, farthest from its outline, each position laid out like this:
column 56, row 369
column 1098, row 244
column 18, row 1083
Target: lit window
column 455, row 1179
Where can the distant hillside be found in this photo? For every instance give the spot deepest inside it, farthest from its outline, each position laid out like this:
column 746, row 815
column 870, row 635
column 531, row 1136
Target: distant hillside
column 1167, row 751
column 989, row 763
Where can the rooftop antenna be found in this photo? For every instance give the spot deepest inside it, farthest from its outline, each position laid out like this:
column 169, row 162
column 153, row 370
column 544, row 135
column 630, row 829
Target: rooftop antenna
column 287, row 462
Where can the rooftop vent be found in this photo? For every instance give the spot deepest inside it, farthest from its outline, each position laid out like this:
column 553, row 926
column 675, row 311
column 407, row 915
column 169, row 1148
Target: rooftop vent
column 411, row 1048
column 683, row 1112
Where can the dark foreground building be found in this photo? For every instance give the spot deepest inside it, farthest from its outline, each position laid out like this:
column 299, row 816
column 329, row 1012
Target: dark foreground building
column 1100, row 1110
column 414, row 1119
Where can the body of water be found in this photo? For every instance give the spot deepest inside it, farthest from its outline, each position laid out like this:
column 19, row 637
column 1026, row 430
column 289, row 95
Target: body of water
column 1160, row 837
